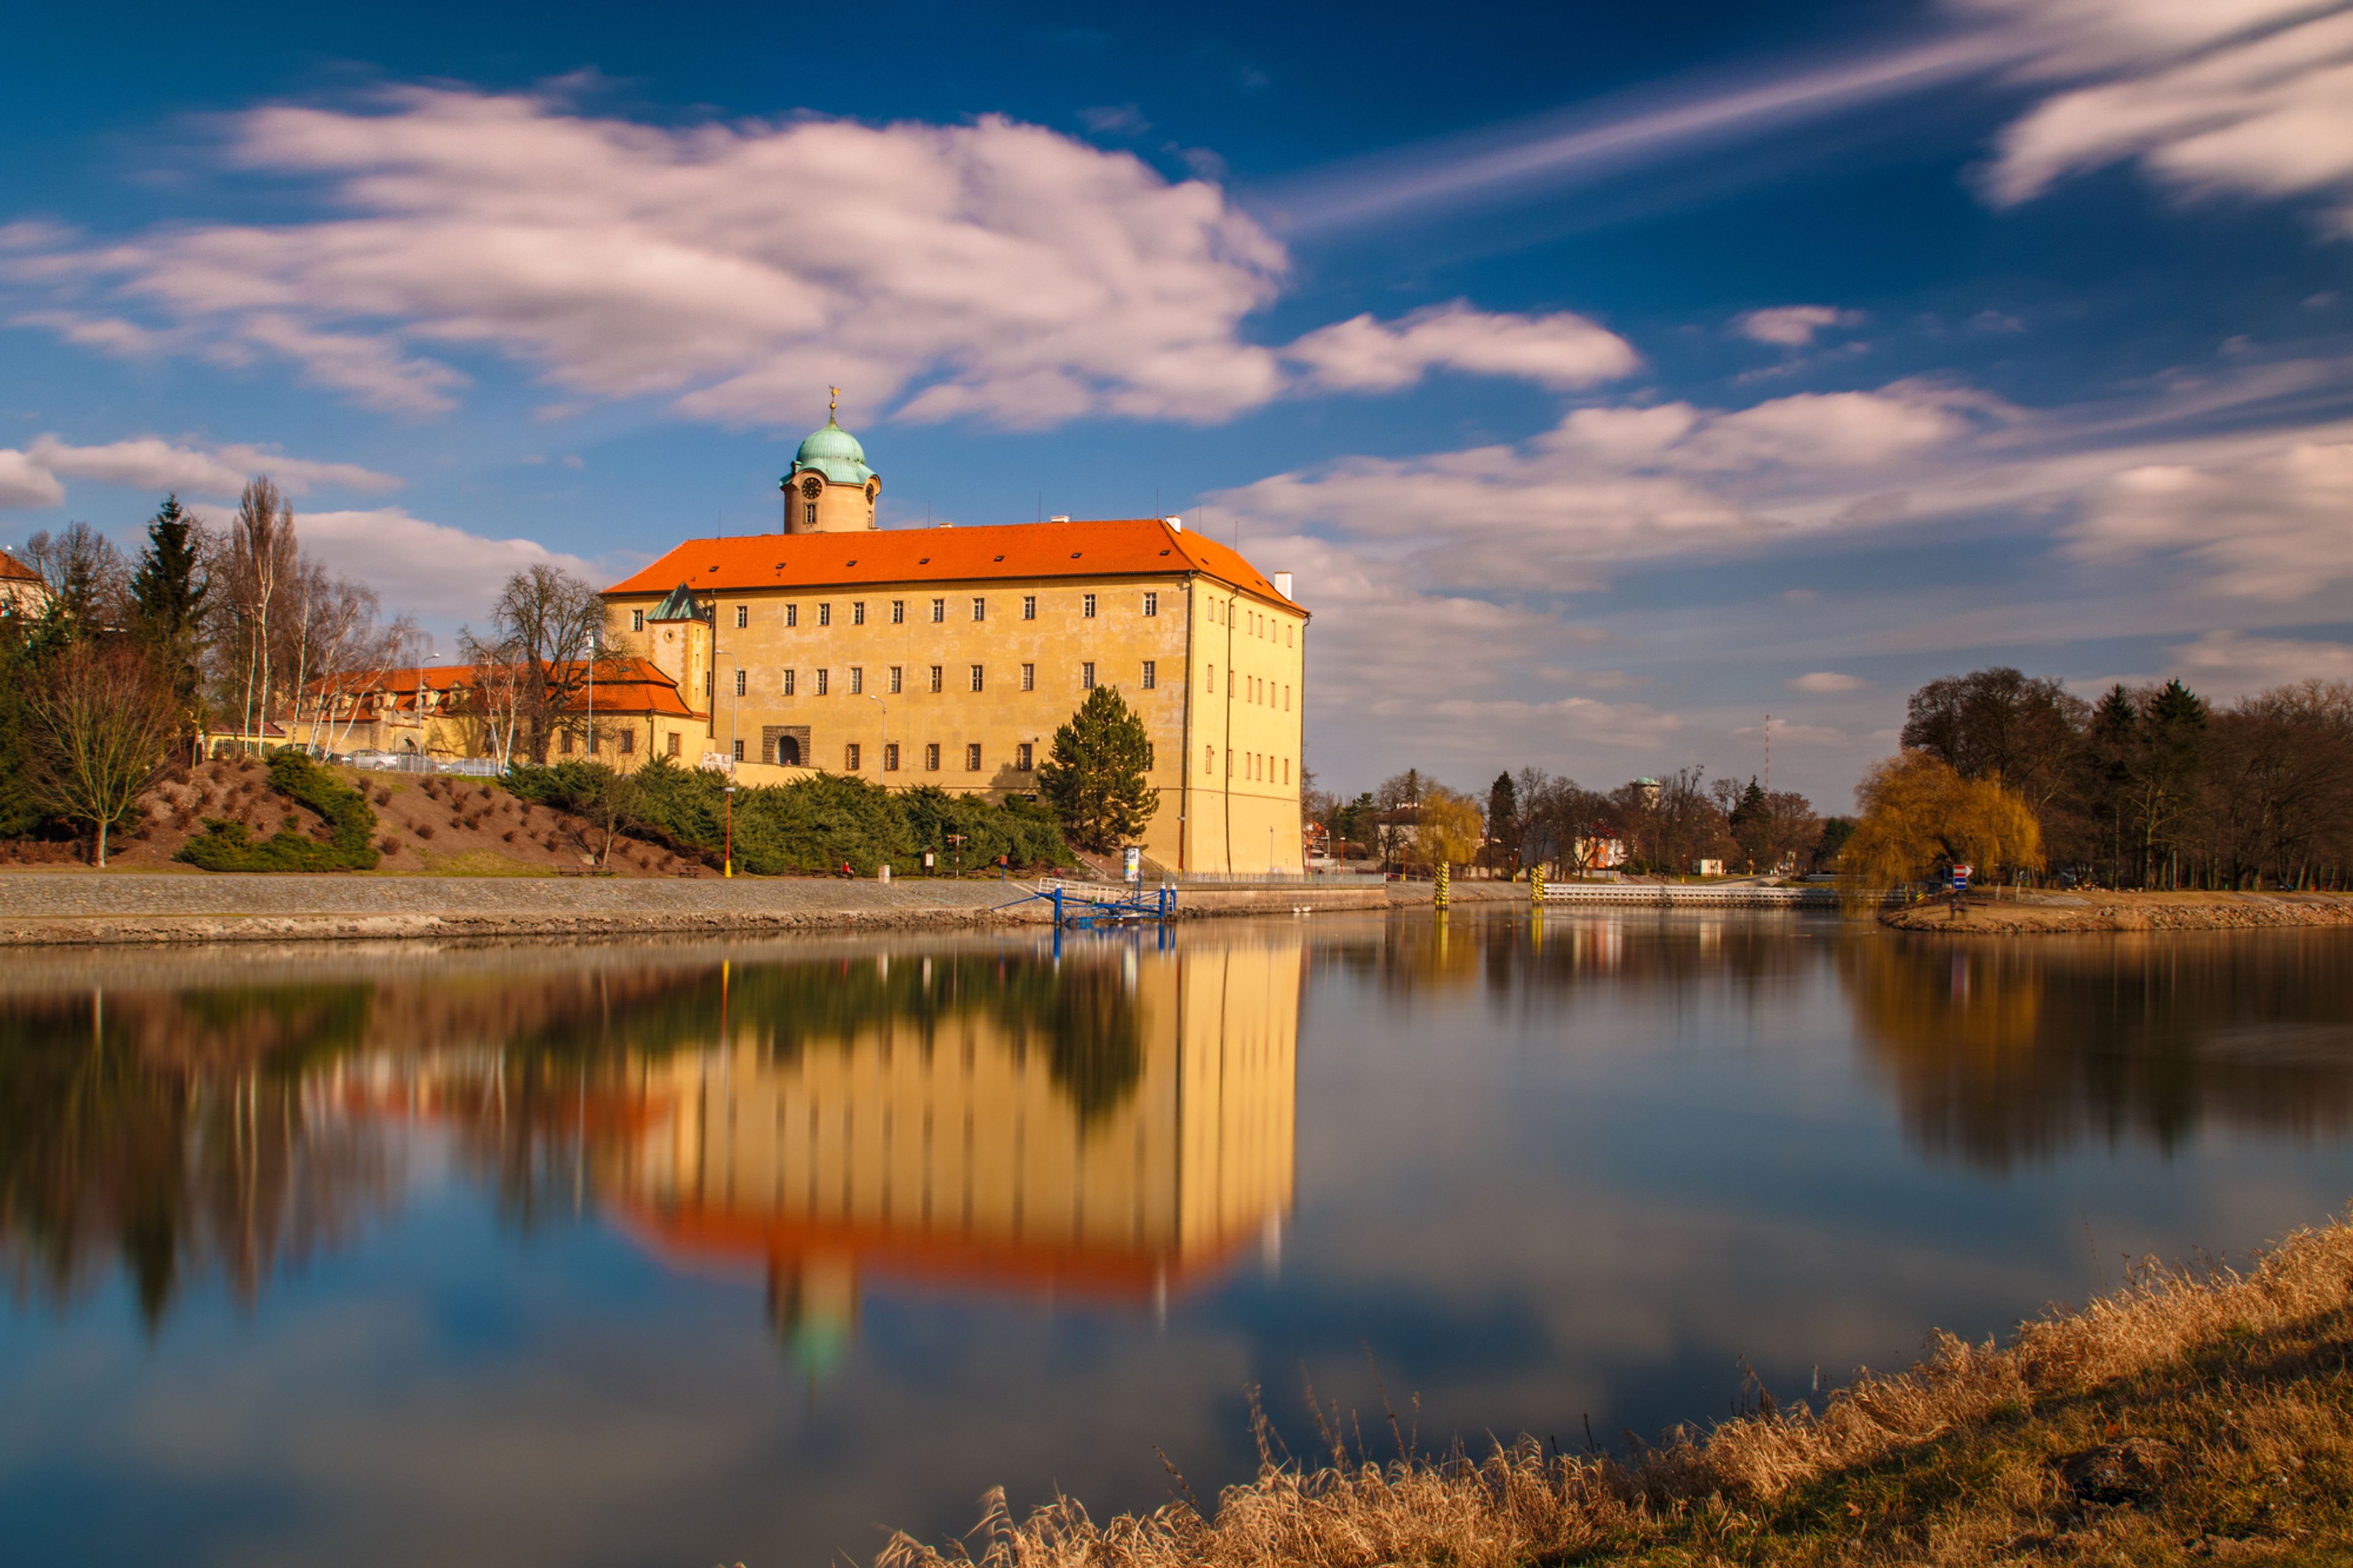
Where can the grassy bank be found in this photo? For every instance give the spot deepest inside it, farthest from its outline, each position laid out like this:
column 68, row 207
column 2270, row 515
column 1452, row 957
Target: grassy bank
column 1984, row 914
column 2191, row 1417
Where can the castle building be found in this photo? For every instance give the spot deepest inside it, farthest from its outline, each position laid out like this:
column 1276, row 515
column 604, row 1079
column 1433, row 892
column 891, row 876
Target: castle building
column 24, row 593
column 949, row 655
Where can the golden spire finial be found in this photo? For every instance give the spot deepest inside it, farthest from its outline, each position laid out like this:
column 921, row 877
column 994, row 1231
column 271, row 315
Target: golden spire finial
column 832, row 403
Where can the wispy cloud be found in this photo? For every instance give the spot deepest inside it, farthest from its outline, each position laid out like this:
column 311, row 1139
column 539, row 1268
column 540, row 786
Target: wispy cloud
column 150, row 462
column 1559, row 351
column 1791, row 326
column 1594, row 141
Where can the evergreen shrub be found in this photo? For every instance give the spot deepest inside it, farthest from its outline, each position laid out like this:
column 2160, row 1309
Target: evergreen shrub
column 350, row 846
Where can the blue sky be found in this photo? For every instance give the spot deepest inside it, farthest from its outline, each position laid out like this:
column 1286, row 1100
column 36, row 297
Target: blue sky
column 1610, row 377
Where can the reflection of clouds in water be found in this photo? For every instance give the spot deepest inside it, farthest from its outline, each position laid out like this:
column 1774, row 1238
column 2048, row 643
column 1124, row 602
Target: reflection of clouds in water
column 1538, row 1175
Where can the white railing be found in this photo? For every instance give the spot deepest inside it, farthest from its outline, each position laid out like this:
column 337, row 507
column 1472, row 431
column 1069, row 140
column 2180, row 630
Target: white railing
column 1655, row 894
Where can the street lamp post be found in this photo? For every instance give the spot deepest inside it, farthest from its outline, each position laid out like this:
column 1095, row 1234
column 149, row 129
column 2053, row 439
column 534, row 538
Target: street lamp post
column 734, row 708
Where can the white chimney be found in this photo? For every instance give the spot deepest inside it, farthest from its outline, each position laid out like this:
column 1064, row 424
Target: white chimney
column 1060, row 517
column 1175, row 522
column 1283, row 584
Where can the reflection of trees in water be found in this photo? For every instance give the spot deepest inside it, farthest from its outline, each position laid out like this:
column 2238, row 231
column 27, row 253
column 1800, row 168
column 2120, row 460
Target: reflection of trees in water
column 2007, row 1052
column 1511, row 954
column 113, row 1149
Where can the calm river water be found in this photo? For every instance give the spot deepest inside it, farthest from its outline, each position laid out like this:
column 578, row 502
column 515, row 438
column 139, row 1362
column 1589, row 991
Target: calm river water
column 681, row 1255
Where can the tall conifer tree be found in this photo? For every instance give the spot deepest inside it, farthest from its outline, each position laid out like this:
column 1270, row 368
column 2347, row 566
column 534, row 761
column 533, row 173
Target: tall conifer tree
column 1093, row 775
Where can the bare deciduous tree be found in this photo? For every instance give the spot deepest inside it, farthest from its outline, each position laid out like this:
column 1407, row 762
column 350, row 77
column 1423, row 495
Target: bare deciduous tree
column 546, row 623
column 102, row 719
column 263, row 559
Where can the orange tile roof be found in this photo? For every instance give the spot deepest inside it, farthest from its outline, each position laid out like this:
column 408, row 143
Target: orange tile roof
column 13, row 569
column 1119, row 547
column 623, row 685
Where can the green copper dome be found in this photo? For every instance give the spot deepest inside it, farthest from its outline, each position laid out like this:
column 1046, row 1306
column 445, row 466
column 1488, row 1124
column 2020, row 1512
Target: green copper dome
column 835, row 453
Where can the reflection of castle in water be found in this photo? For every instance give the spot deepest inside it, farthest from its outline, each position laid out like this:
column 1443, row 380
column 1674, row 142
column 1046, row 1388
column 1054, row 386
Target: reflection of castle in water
column 1111, row 1128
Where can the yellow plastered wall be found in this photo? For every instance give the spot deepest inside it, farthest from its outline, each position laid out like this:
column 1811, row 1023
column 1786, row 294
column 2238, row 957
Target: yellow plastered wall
column 905, row 1130
column 1226, row 753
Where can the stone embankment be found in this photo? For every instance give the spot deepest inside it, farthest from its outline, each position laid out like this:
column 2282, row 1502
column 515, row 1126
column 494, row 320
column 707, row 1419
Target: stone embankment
column 2061, row 913
column 80, row 907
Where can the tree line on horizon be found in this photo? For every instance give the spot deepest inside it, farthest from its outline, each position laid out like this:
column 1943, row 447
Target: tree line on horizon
column 1411, row 823
column 2151, row 786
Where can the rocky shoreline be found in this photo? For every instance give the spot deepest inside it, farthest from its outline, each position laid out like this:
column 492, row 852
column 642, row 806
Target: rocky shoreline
column 2077, row 914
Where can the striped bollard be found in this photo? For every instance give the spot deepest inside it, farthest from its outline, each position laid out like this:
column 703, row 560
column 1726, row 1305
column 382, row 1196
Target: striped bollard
column 1441, row 884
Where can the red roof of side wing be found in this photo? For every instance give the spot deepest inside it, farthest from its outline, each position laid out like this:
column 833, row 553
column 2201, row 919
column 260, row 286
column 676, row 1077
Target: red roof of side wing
column 1115, row 548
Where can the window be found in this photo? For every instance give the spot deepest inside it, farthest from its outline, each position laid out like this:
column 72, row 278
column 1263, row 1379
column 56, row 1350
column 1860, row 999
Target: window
column 936, row 671
column 975, row 678
column 857, row 612
column 1286, row 634
column 825, row 615
column 931, row 757
column 849, row 756
column 637, row 620
column 1029, row 607
column 1286, row 770
column 673, row 742
column 565, row 743
column 1151, row 756
column 898, row 612
column 1029, row 678
column 1151, row 674
column 1286, row 699
column 1087, row 676
column 809, row 514
column 820, row 682
column 1088, row 608
column 858, row 681
column 739, row 683
column 1213, row 677
column 939, row 611
column 792, row 615
column 706, row 686
column 971, row 758
column 1150, row 604
column 788, row 683
column 628, row 743
column 1208, row 759
column 889, row 756
column 1023, row 758
column 739, row 751
column 894, row 680
column 980, row 608
column 743, row 615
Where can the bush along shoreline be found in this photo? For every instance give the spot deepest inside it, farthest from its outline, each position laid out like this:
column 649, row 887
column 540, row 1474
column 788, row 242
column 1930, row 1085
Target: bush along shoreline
column 809, row 827
column 2194, row 1417
column 349, row 846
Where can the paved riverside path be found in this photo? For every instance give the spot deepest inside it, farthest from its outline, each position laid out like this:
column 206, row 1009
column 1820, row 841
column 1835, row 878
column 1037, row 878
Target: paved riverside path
column 40, row 907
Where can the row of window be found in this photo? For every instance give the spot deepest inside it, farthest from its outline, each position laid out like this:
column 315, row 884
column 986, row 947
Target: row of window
column 895, row 680
column 1150, row 607
column 1257, row 766
column 1255, row 688
column 1249, row 622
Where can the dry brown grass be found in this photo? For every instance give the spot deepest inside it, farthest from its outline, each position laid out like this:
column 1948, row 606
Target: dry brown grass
column 2194, row 1415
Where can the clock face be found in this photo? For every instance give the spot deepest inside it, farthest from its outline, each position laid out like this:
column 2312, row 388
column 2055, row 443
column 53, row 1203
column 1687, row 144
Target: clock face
column 810, row 487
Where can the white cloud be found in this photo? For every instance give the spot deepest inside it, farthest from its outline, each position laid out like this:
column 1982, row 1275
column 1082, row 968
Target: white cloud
column 1626, row 483
column 1828, row 681
column 152, row 463
column 1792, row 326
column 2271, row 524
column 427, row 568
column 1561, row 351
column 2225, row 664
column 26, row 484
column 993, row 268
column 2247, row 96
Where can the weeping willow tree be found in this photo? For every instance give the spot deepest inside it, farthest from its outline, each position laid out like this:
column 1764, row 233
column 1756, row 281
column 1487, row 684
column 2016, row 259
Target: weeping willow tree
column 1917, row 812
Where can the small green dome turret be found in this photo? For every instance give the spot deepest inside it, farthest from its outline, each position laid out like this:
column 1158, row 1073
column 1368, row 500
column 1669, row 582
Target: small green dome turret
column 833, row 452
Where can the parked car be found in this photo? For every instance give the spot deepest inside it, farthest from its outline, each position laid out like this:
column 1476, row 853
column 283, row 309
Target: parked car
column 385, row 761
